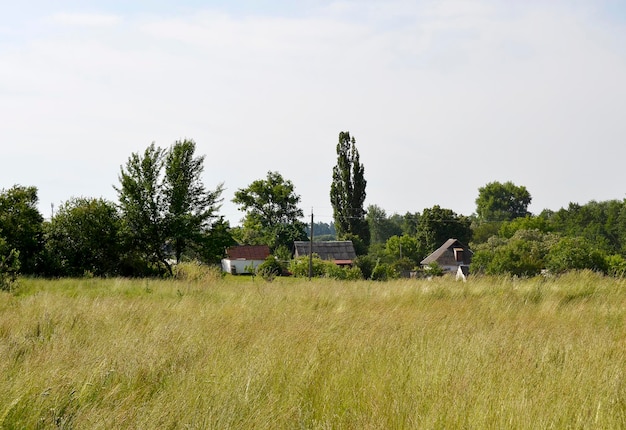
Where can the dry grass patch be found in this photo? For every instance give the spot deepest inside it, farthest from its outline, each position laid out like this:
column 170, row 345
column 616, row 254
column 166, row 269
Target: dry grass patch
column 214, row 353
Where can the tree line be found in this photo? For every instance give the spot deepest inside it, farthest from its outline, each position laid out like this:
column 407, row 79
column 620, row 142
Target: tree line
column 165, row 215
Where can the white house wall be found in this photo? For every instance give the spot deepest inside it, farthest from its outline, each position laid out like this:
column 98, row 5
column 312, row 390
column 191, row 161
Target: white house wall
column 241, row 266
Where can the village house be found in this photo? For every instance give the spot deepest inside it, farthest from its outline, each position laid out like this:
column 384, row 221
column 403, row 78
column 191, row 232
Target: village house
column 244, row 259
column 453, row 257
column 340, row 252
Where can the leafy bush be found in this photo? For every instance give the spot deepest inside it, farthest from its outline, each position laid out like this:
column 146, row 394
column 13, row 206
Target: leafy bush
column 383, row 272
column 84, row 236
column 403, row 264
column 9, row 266
column 270, row 269
column 331, row 270
column 365, row 264
column 615, row 265
column 343, row 273
column 354, row 274
column 433, row 269
column 575, row 253
column 299, row 267
column 523, row 254
column 282, row 253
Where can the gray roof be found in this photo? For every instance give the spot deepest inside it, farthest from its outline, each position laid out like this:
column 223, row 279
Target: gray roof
column 327, row 250
column 442, row 254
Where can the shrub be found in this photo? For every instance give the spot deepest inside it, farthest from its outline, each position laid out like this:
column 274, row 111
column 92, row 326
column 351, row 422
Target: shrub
column 403, row 264
column 270, row 269
column 299, row 267
column 9, row 267
column 343, row 273
column 331, row 270
column 354, row 274
column 365, row 264
column 383, row 272
column 616, row 265
column 434, row 269
column 575, row 253
column 523, row 254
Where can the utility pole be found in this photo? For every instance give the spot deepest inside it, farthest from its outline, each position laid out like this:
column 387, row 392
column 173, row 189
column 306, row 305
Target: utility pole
column 311, row 248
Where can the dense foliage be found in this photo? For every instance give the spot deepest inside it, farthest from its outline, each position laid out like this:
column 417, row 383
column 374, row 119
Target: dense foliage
column 502, row 202
column 21, row 226
column 165, row 207
column 165, row 215
column 272, row 212
column 9, row 265
column 85, row 236
column 347, row 194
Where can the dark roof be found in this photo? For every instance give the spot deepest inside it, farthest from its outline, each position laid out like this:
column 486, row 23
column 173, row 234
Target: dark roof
column 248, row 252
column 441, row 254
column 327, row 250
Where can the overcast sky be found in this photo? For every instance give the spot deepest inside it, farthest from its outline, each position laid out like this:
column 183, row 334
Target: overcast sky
column 442, row 97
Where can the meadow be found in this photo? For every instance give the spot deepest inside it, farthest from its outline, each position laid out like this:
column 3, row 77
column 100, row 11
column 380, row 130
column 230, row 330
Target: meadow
column 207, row 352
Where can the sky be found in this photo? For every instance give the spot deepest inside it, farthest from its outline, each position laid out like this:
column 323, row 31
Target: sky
column 442, row 97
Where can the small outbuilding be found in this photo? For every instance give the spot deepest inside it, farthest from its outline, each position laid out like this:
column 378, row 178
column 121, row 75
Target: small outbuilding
column 340, row 252
column 453, row 257
column 244, row 259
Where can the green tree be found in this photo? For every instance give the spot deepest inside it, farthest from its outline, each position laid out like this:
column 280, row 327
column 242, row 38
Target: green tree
column 211, row 245
column 321, row 231
column 482, row 231
column 523, row 254
column 502, row 201
column 84, row 236
column 141, row 202
column 366, row 264
column 21, row 225
column 602, row 223
column 529, row 222
column 164, row 204
column 575, row 253
column 190, row 209
column 272, row 213
column 409, row 222
column 403, row 247
column 9, row 265
column 381, row 227
column 436, row 225
column 347, row 191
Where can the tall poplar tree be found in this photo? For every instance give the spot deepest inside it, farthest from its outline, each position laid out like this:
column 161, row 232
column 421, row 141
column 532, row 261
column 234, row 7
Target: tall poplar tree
column 347, row 194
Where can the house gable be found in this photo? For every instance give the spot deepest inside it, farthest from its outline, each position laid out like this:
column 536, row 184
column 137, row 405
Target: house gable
column 450, row 255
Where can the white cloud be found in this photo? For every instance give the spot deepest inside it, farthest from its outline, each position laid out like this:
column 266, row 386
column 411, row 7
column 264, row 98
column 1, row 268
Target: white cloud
column 86, row 19
column 480, row 91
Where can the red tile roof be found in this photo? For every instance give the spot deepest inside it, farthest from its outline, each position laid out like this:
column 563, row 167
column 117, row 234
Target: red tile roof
column 248, row 252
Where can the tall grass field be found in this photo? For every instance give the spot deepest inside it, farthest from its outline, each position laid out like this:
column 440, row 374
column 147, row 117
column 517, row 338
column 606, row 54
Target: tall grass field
column 213, row 353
